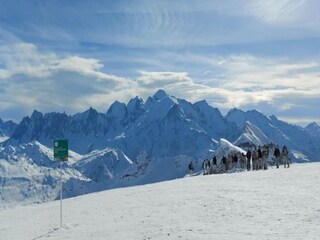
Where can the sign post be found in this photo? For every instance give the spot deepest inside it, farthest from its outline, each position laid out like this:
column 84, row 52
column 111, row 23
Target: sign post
column 60, row 152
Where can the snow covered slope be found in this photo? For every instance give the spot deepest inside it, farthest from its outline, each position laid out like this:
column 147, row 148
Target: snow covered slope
column 274, row 204
column 252, row 135
column 101, row 166
column 226, row 148
column 28, row 174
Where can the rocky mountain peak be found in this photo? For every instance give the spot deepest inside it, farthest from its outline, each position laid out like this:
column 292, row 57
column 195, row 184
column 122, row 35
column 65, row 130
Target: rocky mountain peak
column 160, row 94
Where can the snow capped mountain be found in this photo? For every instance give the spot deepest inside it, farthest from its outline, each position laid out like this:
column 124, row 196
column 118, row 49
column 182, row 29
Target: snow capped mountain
column 28, row 174
column 252, row 135
column 240, row 118
column 163, row 126
column 101, row 166
column 165, row 131
column 313, row 129
column 135, row 108
column 279, row 132
column 41, row 128
column 6, row 129
column 227, row 148
column 210, row 119
column 117, row 119
column 89, row 122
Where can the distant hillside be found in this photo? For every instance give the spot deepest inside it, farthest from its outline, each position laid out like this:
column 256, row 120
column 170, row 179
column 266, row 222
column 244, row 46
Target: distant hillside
column 163, row 126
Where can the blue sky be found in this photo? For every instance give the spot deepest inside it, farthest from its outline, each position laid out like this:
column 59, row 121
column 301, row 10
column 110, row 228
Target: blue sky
column 70, row 55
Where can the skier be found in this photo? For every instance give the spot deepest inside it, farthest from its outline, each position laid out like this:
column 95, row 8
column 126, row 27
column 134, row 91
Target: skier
column 191, row 168
column 276, row 154
column 285, row 156
column 248, row 160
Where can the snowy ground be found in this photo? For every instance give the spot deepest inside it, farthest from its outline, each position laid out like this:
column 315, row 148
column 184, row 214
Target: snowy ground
column 274, row 204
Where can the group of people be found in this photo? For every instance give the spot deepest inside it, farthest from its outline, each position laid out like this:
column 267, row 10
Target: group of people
column 256, row 159
column 281, row 156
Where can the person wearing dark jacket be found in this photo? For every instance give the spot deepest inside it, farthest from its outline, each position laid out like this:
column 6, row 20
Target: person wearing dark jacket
column 255, row 160
column 259, row 158
column 265, row 154
column 214, row 160
column 234, row 161
column 276, row 155
column 191, row 168
column 248, row 155
column 214, row 165
column 224, row 164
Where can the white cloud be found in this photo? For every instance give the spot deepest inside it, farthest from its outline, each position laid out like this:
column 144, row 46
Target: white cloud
column 4, row 73
column 299, row 120
column 37, row 80
column 271, row 85
column 256, row 73
column 276, row 11
column 86, row 66
column 24, row 58
column 273, row 76
column 149, row 78
column 246, row 80
column 45, row 81
column 297, row 14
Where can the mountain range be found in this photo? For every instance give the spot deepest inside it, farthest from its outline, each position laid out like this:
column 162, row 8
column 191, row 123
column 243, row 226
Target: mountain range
column 134, row 143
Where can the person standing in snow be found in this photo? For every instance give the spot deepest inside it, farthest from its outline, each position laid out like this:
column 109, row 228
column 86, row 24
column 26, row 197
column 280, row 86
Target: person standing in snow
column 229, row 162
column 214, row 165
column 205, row 167
column 224, row 164
column 214, row 160
column 259, row 158
column 243, row 161
column 234, row 161
column 191, row 168
column 276, row 155
column 248, row 155
column 255, row 160
column 285, row 156
column 208, row 166
column 265, row 154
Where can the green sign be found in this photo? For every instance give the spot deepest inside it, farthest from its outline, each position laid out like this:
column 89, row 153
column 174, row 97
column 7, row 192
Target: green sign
column 60, row 149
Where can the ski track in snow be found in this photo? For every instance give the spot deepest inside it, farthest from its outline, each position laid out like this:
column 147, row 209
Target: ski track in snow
column 273, row 204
